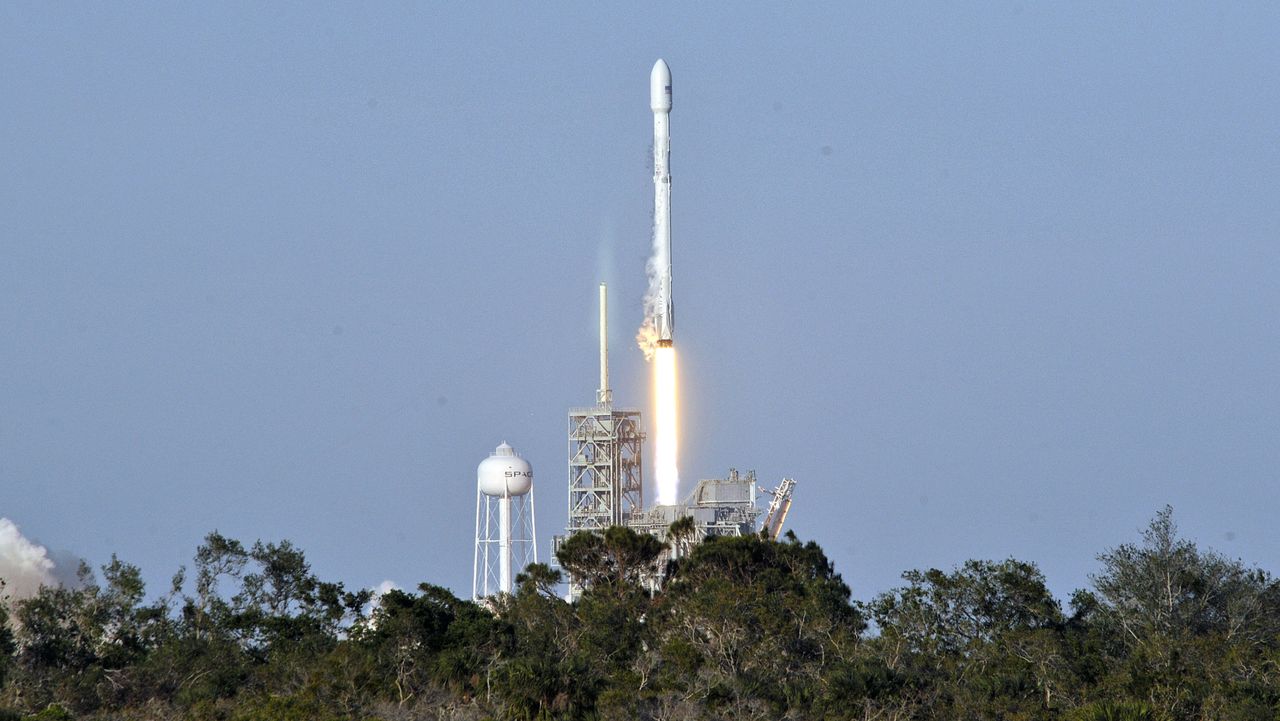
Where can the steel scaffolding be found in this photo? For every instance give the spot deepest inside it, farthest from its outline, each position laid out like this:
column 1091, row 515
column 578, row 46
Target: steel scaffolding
column 606, row 476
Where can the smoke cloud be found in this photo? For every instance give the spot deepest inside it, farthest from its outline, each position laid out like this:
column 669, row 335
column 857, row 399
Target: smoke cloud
column 378, row 591
column 371, row 620
column 24, row 566
column 382, row 588
column 647, row 336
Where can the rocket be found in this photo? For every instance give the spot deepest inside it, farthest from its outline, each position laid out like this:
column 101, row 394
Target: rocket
column 660, row 103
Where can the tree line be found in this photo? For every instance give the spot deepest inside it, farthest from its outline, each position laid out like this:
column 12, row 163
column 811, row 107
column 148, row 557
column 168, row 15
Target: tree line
column 743, row 628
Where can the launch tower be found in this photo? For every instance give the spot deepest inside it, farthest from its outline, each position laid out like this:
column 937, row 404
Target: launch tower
column 606, row 478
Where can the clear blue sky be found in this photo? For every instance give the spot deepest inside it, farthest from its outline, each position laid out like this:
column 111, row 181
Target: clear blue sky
column 988, row 280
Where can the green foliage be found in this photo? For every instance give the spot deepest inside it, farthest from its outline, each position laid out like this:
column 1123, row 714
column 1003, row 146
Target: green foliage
column 740, row 628
column 293, row 707
column 52, row 712
column 428, row 640
column 1165, row 588
column 1189, row 631
column 985, row 641
column 617, row 558
column 747, row 625
column 1113, row 711
column 8, row 644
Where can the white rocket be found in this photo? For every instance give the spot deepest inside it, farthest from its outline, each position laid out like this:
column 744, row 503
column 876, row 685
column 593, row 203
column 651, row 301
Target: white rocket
column 660, row 103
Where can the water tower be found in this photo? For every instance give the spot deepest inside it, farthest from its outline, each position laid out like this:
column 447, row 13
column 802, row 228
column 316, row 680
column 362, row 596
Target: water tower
column 505, row 525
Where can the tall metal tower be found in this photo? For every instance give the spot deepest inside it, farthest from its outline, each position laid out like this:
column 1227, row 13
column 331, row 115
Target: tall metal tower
column 606, row 478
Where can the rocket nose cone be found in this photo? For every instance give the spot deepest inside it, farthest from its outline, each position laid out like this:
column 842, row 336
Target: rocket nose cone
column 660, row 87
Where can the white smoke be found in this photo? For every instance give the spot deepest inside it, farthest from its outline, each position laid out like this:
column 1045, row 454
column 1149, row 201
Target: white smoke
column 647, row 336
column 370, row 620
column 381, row 589
column 24, row 566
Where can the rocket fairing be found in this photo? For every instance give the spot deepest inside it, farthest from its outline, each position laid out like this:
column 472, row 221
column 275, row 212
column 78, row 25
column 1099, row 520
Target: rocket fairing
column 660, row 103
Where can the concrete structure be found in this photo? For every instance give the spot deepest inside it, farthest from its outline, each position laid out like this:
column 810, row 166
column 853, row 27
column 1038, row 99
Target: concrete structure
column 719, row 507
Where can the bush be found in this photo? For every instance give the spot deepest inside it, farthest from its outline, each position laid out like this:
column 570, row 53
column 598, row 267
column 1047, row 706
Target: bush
column 1113, row 711
column 52, row 712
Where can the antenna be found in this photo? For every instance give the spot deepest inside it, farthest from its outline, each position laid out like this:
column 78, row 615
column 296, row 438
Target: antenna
column 604, row 396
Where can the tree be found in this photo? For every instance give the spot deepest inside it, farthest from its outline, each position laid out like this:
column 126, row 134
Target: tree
column 1166, row 587
column 8, row 645
column 611, row 559
column 1190, row 630
column 76, row 646
column 681, row 536
column 538, row 578
column 216, row 559
column 429, row 638
column 540, row 669
column 748, row 627
column 985, row 641
column 282, row 606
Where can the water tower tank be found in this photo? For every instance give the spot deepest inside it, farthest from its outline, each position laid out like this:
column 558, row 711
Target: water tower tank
column 504, row 474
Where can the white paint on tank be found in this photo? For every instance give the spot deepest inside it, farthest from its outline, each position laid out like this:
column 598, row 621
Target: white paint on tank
column 504, row 474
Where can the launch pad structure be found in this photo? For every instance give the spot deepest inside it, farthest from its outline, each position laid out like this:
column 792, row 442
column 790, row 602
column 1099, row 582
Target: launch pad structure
column 606, row 480
column 606, row 444
column 606, row 451
column 606, row 472
column 719, row 507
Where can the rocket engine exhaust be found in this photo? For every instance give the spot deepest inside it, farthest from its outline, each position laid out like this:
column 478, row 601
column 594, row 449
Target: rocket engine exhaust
column 665, row 441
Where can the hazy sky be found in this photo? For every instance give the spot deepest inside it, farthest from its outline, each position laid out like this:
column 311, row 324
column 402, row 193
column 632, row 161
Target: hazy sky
column 987, row 279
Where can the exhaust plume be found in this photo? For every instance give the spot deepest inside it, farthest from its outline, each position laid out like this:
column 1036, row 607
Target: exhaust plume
column 24, row 566
column 647, row 336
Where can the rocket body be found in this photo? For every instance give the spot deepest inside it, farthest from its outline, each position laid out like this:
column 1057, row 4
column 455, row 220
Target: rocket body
column 665, row 403
column 660, row 103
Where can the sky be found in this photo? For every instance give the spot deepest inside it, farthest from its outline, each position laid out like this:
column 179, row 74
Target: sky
column 988, row 280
